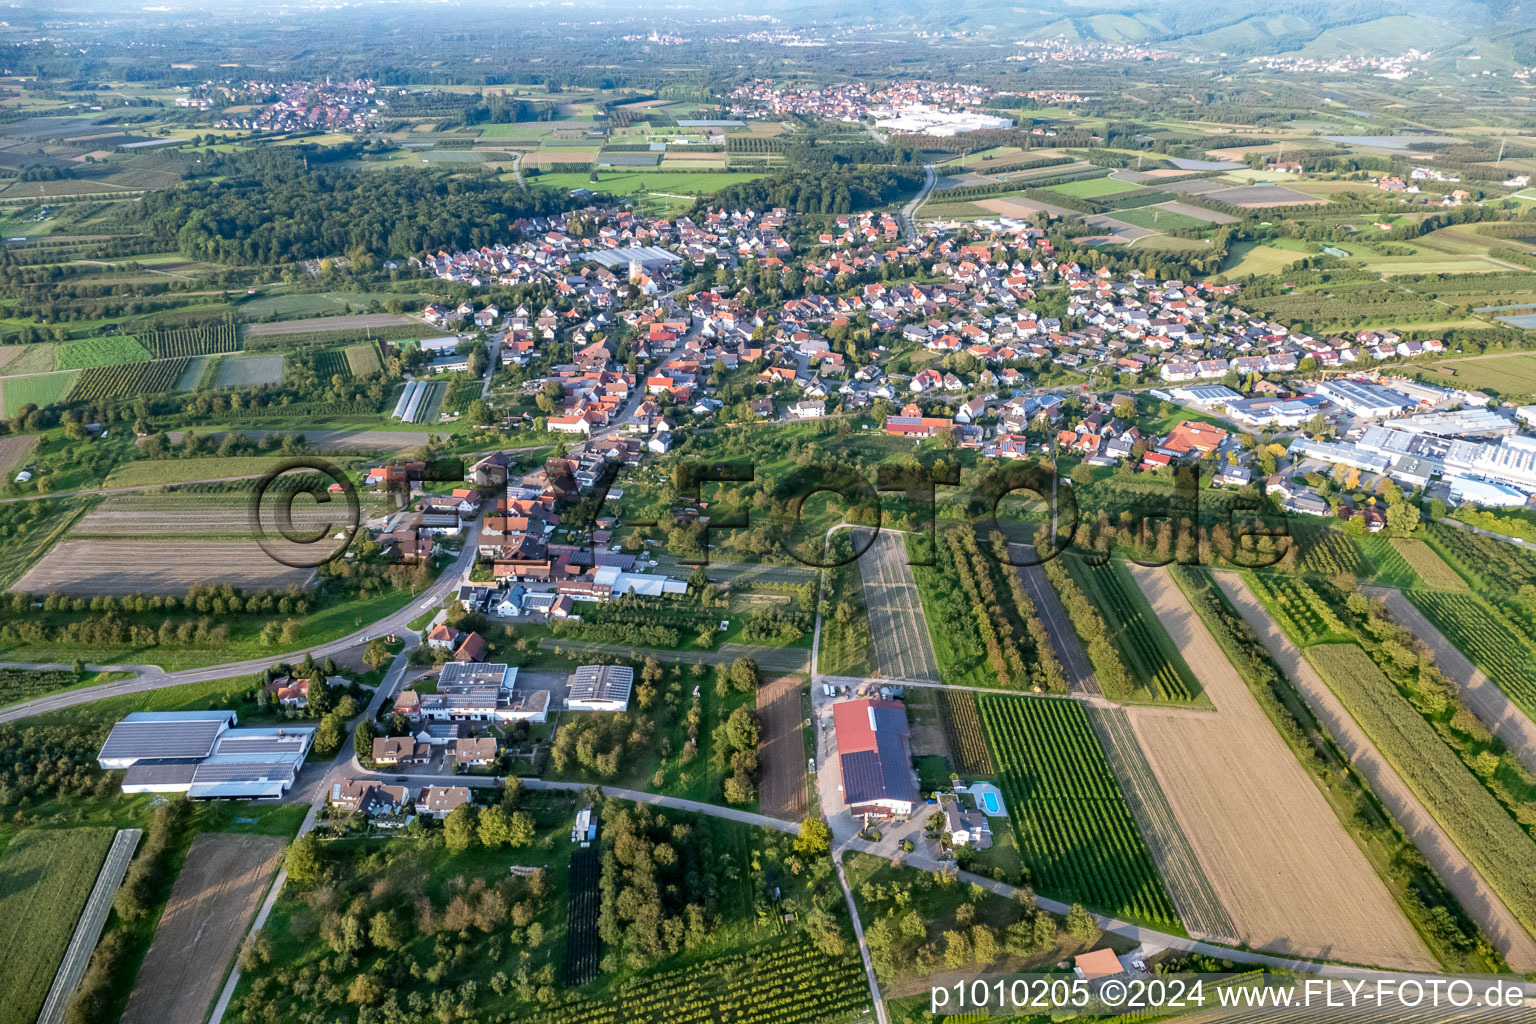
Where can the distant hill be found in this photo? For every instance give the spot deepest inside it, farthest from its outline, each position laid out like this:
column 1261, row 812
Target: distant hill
column 1239, row 27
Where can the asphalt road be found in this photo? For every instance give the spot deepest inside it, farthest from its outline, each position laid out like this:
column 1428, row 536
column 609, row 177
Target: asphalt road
column 907, row 212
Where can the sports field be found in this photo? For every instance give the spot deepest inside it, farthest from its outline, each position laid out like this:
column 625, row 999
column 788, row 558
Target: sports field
column 1155, row 218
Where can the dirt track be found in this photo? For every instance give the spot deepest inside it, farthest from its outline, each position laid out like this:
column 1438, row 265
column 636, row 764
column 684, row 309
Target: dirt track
column 1290, row 877
column 781, row 749
column 1490, row 704
column 1449, row 862
column 897, row 629
column 1064, row 639
column 211, row 906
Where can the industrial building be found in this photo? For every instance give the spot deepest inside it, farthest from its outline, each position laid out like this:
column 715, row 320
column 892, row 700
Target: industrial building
column 649, row 257
column 1346, row 454
column 1511, row 462
column 922, row 119
column 202, row 754
column 1459, row 423
column 1368, row 401
column 1275, row 412
column 1206, row 396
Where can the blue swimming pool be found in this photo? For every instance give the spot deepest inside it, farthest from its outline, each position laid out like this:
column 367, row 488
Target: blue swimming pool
column 989, row 801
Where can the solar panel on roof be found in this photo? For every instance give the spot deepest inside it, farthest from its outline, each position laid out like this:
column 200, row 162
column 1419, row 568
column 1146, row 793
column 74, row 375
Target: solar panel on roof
column 160, row 739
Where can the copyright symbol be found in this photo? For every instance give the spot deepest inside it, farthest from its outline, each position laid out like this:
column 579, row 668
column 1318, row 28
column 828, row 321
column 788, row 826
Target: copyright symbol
column 1112, row 992
column 272, row 521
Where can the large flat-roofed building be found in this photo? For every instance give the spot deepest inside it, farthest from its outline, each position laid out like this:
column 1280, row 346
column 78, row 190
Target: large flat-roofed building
column 1511, row 462
column 1207, row 396
column 164, row 737
column 1343, row 453
column 1485, row 492
column 875, row 754
column 650, row 257
column 1275, row 412
column 1459, row 423
column 201, row 754
column 1368, row 401
column 600, row 688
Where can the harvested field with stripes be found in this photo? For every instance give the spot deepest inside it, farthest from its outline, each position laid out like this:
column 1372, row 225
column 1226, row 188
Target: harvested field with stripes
column 211, row 905
column 781, row 749
column 1193, row 896
column 195, row 515
column 897, row 628
column 1290, row 877
column 89, row 567
column 1448, row 861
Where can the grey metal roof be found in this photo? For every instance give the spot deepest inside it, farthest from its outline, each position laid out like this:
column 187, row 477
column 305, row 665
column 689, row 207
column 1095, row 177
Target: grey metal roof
column 263, row 741
column 160, row 739
column 602, row 682
column 159, row 775
column 648, row 254
column 242, row 771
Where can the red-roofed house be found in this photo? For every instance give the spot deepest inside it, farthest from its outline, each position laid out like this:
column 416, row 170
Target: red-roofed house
column 1191, row 437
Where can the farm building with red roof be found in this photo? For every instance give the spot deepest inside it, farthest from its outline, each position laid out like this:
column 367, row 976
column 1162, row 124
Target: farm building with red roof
column 874, row 749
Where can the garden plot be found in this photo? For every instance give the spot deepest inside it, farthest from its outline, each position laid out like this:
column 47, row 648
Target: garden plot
column 89, row 567
column 1289, row 876
column 14, row 452
column 211, row 906
column 897, row 629
column 248, row 371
